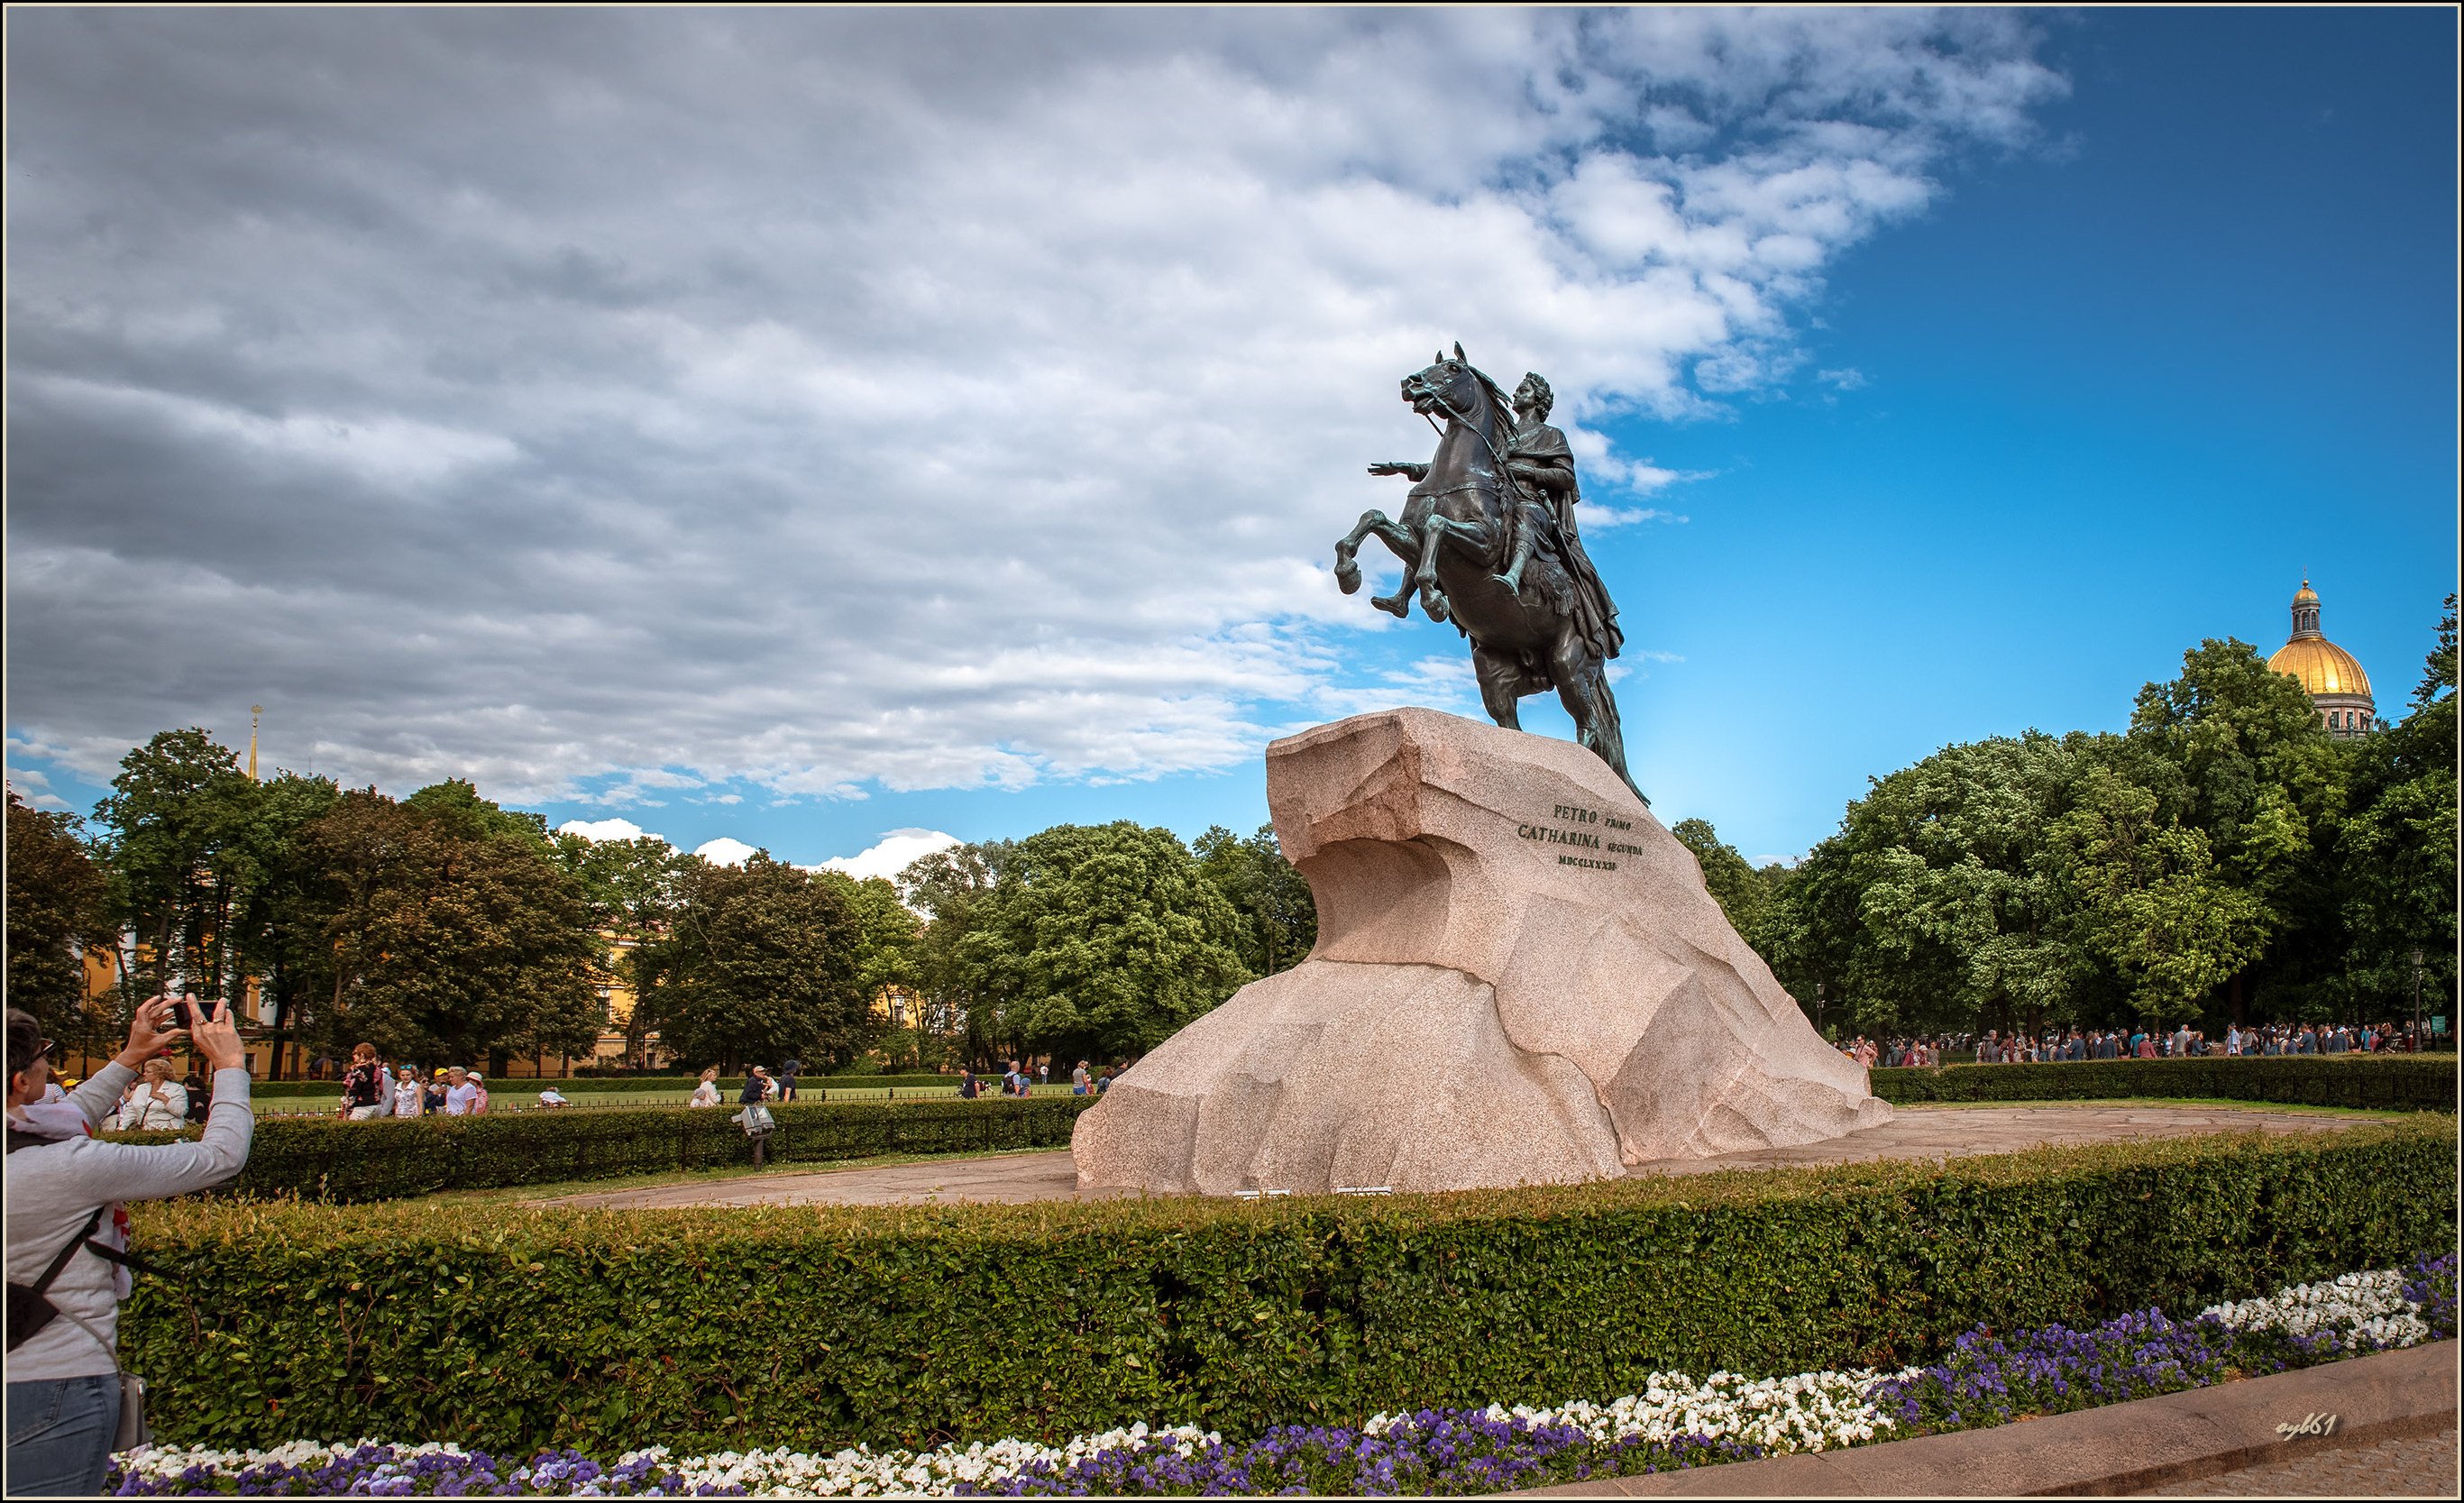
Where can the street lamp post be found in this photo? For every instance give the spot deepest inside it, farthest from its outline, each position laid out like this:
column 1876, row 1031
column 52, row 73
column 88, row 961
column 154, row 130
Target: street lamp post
column 2417, row 997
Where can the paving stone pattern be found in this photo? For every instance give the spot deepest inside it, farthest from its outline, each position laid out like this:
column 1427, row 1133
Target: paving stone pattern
column 2418, row 1467
column 1932, row 1133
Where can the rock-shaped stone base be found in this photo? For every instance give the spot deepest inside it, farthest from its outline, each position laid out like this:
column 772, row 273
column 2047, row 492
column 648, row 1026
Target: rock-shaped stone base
column 1519, row 978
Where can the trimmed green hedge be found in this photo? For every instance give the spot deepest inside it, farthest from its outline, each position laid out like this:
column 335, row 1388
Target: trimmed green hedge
column 2400, row 1082
column 681, row 1085
column 817, row 1326
column 322, row 1159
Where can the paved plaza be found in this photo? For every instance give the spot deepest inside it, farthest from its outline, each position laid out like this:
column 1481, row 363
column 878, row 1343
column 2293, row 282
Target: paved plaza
column 1931, row 1133
column 2413, row 1467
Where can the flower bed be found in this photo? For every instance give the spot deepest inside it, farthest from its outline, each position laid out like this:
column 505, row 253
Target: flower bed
column 1672, row 1421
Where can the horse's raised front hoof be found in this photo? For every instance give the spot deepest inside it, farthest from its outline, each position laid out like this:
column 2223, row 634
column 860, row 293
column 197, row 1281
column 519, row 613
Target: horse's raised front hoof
column 1398, row 604
column 1347, row 576
column 1435, row 604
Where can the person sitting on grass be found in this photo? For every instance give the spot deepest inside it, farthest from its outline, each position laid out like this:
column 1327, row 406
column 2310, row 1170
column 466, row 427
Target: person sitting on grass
column 66, row 1195
column 552, row 1099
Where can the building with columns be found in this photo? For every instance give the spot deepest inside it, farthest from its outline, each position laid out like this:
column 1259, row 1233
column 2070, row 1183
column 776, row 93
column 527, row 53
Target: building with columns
column 2331, row 676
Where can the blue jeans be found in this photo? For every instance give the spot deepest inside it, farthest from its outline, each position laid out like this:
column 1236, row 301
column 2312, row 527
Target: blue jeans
column 60, row 1431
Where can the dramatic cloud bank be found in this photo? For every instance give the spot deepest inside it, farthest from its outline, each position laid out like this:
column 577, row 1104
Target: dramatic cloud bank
column 624, row 404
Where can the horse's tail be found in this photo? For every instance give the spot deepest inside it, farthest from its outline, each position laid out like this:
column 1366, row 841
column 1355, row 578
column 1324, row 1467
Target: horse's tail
column 1605, row 736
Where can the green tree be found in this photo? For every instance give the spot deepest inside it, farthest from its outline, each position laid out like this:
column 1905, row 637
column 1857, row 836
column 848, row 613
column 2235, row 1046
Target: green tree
column 632, row 888
column 274, row 920
column 440, row 942
column 1097, row 936
column 952, row 890
column 1744, row 893
column 1939, row 905
column 59, row 909
column 1278, row 912
column 2397, row 855
column 761, row 963
column 2234, row 750
column 2152, row 902
column 457, row 805
column 180, row 853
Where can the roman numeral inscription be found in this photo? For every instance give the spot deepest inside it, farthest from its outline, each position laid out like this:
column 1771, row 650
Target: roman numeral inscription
column 1558, row 832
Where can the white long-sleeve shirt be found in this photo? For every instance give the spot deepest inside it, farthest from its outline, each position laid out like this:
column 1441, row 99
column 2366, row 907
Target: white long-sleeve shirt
column 53, row 1187
column 163, row 1108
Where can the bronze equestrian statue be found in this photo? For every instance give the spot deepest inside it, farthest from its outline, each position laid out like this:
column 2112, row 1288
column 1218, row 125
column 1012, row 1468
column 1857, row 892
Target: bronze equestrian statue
column 1488, row 538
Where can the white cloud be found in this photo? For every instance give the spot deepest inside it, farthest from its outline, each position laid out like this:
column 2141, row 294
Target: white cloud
column 1849, row 379
column 973, row 403
column 598, row 830
column 726, row 850
column 1620, row 516
column 891, row 855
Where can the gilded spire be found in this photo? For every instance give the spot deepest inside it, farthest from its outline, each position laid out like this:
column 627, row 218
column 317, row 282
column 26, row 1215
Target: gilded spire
column 253, row 710
column 2305, row 611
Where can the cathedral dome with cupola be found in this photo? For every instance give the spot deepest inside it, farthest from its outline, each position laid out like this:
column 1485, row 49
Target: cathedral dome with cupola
column 2331, row 676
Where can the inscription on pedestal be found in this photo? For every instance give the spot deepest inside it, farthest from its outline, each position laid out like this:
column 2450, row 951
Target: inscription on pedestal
column 1556, row 835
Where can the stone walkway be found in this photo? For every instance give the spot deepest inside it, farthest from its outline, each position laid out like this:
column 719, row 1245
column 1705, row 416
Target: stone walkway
column 1932, row 1133
column 2419, row 1467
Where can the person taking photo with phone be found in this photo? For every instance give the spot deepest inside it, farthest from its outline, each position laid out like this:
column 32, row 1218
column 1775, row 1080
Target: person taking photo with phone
column 70, row 1406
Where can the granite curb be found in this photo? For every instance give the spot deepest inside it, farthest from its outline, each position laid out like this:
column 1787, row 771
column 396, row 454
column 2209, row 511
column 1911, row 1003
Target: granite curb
column 2103, row 1452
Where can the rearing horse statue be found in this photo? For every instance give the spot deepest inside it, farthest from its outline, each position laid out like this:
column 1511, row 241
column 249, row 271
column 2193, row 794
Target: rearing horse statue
column 1488, row 556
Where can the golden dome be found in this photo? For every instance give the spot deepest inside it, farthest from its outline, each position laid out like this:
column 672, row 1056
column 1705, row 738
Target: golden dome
column 2306, row 596
column 2322, row 666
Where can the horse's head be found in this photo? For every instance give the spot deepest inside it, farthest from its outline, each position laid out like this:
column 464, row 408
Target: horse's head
column 1450, row 387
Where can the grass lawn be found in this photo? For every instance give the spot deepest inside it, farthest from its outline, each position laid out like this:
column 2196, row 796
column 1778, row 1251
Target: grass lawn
column 523, row 1095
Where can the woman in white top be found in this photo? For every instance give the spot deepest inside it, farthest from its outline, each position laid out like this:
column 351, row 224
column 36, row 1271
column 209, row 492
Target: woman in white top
column 407, row 1093
column 157, row 1103
column 707, row 1093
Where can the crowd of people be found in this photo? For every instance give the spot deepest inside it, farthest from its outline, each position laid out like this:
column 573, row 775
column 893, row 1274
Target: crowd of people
column 2066, row 1045
column 373, row 1088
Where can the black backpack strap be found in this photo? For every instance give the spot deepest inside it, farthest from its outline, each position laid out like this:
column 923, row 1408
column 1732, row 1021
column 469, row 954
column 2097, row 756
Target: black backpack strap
column 83, row 1238
column 128, row 1260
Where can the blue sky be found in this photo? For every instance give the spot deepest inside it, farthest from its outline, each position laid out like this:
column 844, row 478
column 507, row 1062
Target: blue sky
column 2111, row 360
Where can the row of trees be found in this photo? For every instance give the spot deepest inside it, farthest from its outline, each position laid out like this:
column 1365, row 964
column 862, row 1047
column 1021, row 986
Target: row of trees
column 443, row 926
column 2225, row 858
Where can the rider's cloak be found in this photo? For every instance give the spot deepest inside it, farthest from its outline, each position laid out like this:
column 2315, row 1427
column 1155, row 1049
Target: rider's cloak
column 1594, row 614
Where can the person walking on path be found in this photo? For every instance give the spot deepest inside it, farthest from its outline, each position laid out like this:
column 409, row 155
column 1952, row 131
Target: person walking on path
column 460, row 1094
column 706, row 1094
column 66, row 1189
column 787, row 1079
column 406, row 1094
